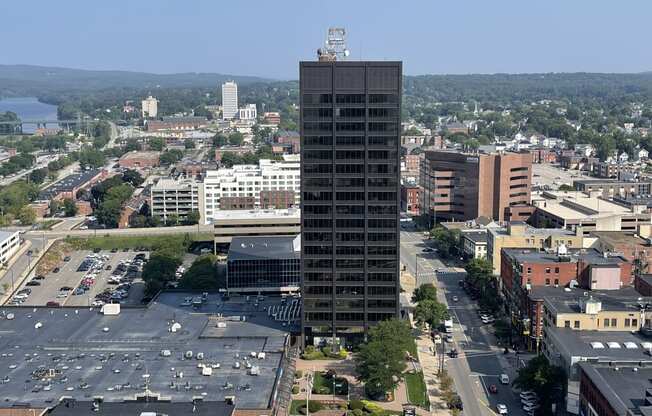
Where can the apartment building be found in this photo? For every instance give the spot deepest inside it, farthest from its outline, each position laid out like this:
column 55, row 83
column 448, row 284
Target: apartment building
column 9, row 244
column 249, row 186
column 248, row 112
column 229, row 100
column 175, row 197
column 460, row 187
column 149, row 107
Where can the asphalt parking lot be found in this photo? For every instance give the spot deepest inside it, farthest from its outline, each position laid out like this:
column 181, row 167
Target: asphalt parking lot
column 554, row 175
column 69, row 276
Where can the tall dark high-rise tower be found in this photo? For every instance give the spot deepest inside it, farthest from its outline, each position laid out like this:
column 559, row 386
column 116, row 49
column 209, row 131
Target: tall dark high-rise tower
column 350, row 127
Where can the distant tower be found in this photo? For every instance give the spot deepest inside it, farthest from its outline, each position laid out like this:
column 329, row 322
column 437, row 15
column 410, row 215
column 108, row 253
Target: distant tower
column 475, row 110
column 229, row 100
column 149, row 107
column 335, row 46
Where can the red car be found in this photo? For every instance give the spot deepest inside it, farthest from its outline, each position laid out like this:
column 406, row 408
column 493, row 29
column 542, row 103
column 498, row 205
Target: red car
column 52, row 304
column 493, row 389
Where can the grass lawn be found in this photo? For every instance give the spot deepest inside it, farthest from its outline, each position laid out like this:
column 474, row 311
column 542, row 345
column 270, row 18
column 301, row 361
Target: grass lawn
column 178, row 242
column 47, row 224
column 416, row 389
column 324, row 385
column 294, row 406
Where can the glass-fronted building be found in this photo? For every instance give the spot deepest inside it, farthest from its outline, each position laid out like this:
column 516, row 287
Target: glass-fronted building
column 350, row 184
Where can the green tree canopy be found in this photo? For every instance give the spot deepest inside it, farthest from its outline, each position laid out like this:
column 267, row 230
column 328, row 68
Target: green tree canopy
column 426, row 291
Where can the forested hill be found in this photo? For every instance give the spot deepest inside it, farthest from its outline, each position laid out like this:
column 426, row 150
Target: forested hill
column 21, row 80
column 510, row 88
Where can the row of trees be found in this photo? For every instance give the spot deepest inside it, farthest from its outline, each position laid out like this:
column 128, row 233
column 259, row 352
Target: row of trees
column 161, row 269
column 428, row 310
column 109, row 196
column 479, row 276
column 446, row 241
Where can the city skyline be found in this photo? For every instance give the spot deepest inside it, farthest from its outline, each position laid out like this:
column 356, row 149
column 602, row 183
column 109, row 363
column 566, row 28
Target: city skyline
column 470, row 37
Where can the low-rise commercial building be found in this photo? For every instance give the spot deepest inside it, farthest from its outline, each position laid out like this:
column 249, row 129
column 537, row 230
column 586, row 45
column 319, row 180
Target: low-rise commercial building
column 474, row 244
column 634, row 246
column 521, row 235
column 248, row 223
column 460, row 187
column 264, row 264
column 177, row 197
column 593, row 213
column 176, row 124
column 68, row 187
column 140, row 159
column 611, row 188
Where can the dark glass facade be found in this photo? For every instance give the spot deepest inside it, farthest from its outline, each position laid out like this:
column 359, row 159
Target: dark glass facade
column 350, row 170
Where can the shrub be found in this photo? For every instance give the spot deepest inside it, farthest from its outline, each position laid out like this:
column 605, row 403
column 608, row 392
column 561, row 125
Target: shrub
column 298, row 374
column 358, row 412
column 314, row 406
column 356, row 404
column 371, row 407
column 295, row 389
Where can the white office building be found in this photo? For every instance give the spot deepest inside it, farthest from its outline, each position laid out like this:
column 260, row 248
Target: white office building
column 229, row 100
column 9, row 244
column 246, row 183
column 149, row 107
column 248, row 112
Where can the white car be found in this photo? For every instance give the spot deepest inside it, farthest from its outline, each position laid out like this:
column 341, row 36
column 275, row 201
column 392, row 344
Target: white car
column 504, row 379
column 502, row 409
column 455, row 299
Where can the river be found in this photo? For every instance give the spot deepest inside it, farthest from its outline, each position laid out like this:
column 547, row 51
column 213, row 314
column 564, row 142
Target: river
column 29, row 108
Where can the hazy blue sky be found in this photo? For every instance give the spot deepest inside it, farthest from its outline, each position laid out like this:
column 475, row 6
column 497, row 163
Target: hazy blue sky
column 268, row 38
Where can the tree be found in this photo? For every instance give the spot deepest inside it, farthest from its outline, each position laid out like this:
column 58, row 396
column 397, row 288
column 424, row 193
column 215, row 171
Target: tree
column 431, row 312
column 172, row 220
column 220, row 140
column 159, row 270
column 381, row 360
column 133, row 177
column 92, row 158
column 108, row 213
column 157, row 143
column 424, row 292
column 27, row 215
column 38, row 175
column 132, row 145
column 55, row 206
column 446, row 241
column 192, row 218
column 189, row 144
column 547, row 381
column 170, row 157
column 236, row 139
column 202, row 275
column 69, row 207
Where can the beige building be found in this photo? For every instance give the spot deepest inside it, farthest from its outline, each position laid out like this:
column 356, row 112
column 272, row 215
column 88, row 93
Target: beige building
column 149, row 107
column 246, row 223
column 474, row 244
column 588, row 210
column 518, row 234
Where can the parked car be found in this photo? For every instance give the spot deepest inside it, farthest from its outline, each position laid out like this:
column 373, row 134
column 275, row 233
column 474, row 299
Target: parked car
column 33, row 283
column 504, row 379
column 455, row 299
column 56, row 270
column 39, row 277
column 52, row 304
column 65, row 289
column 501, row 408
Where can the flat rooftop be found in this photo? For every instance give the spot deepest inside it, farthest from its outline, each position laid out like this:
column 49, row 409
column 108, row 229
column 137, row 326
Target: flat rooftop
column 605, row 346
column 243, row 214
column 68, row 183
column 591, row 256
column 478, row 237
column 81, row 353
column 606, row 181
column 140, row 154
column 620, row 237
column 567, row 300
column 267, row 247
column 174, row 184
column 576, row 205
column 623, row 387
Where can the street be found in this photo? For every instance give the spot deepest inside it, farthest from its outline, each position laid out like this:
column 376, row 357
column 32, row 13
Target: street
column 480, row 361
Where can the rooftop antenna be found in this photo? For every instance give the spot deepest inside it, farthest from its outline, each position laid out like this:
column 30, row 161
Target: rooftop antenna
column 335, row 45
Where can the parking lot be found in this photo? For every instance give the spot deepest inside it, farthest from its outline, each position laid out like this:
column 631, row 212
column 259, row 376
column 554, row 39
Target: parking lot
column 71, row 286
column 545, row 174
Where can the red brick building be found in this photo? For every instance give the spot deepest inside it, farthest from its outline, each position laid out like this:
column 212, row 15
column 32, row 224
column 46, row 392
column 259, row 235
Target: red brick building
column 228, row 149
column 272, row 118
column 140, row 159
column 543, row 156
column 411, row 199
column 290, row 138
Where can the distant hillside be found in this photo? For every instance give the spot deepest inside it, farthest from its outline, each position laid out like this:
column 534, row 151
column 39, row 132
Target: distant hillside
column 21, row 80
